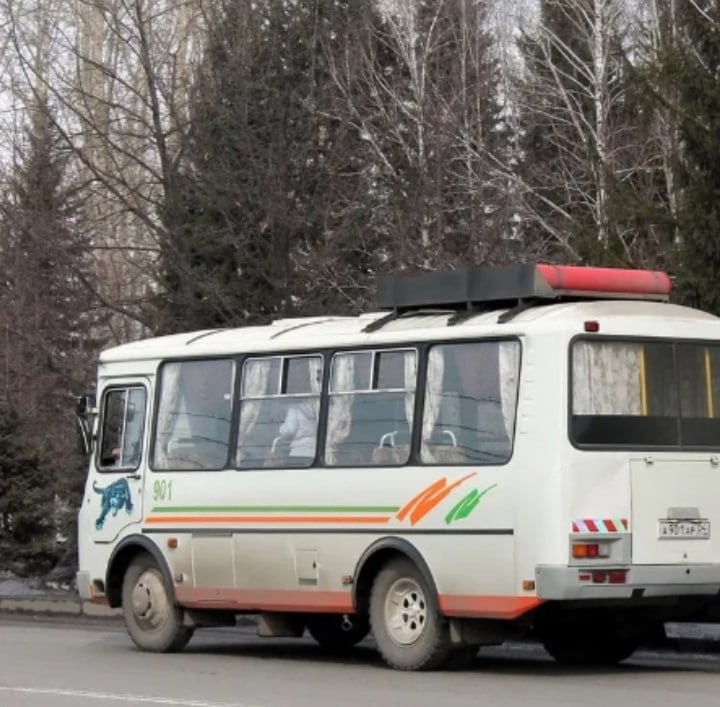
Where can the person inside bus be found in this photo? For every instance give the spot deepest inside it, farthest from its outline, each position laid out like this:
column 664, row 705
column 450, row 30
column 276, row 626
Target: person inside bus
column 299, row 429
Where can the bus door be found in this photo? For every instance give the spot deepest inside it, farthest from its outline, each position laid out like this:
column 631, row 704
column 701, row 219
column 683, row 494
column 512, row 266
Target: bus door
column 114, row 489
column 675, row 510
column 676, row 495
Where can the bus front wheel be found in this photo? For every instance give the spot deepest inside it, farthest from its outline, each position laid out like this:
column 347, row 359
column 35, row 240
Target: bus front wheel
column 409, row 631
column 152, row 619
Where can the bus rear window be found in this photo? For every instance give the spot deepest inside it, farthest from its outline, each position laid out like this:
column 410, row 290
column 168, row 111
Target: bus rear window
column 645, row 394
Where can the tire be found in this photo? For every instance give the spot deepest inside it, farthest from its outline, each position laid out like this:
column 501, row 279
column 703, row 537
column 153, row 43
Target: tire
column 409, row 631
column 338, row 631
column 153, row 620
column 599, row 647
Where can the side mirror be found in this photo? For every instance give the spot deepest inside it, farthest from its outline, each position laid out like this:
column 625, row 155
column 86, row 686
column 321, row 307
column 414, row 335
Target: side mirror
column 84, row 405
column 85, row 412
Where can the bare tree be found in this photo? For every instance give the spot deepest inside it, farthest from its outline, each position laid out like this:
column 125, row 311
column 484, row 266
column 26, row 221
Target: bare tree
column 582, row 145
column 119, row 84
column 663, row 49
column 420, row 87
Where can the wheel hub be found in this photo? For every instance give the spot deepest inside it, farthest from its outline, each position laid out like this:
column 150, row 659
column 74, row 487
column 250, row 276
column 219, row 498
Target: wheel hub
column 149, row 601
column 406, row 611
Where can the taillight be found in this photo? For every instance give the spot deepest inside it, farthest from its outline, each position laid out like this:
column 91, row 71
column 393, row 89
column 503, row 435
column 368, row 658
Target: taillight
column 617, row 576
column 604, row 576
column 590, row 551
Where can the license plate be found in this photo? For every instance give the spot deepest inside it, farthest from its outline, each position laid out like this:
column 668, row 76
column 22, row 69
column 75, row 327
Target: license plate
column 686, row 529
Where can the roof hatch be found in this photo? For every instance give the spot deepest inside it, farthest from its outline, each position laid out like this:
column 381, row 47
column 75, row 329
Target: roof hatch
column 486, row 288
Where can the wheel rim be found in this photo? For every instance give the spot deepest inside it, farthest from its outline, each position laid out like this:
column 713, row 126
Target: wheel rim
column 149, row 601
column 406, row 611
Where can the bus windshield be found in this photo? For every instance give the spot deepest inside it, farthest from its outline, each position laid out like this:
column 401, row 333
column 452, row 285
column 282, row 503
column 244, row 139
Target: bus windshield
column 658, row 393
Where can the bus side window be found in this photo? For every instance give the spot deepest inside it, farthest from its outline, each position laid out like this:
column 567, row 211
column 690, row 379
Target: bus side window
column 193, row 419
column 470, row 401
column 372, row 398
column 279, row 409
column 122, row 428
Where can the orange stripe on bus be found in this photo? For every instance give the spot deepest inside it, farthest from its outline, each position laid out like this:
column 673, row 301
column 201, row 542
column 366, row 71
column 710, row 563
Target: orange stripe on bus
column 419, row 506
column 476, row 606
column 265, row 599
column 488, row 606
column 367, row 520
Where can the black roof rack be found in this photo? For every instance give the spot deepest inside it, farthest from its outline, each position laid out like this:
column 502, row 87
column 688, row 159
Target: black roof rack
column 508, row 286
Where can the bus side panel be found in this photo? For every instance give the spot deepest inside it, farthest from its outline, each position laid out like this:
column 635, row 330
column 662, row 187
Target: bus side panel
column 540, row 440
column 300, row 532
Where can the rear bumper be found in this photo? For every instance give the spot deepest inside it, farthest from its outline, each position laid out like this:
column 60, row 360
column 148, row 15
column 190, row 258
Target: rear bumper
column 555, row 582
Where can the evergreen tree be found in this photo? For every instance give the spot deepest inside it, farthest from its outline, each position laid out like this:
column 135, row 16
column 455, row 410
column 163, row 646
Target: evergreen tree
column 26, row 500
column 697, row 64
column 648, row 199
column 256, row 183
column 45, row 319
column 332, row 140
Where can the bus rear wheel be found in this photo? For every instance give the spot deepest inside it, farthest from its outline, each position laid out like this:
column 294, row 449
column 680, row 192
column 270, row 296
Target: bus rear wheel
column 409, row 631
column 153, row 620
column 338, row 631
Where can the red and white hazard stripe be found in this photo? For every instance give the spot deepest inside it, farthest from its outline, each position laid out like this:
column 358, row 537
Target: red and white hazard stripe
column 601, row 525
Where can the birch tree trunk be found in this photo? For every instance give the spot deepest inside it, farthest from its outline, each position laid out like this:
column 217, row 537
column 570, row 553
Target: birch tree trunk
column 582, row 142
column 421, row 87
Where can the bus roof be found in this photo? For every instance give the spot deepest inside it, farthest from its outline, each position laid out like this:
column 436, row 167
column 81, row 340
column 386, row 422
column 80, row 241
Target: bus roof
column 639, row 318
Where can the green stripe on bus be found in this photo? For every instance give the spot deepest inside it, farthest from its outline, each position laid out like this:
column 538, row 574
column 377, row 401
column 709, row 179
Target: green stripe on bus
column 275, row 509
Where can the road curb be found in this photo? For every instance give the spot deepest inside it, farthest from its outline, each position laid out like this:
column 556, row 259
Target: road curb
column 73, row 606
column 64, row 606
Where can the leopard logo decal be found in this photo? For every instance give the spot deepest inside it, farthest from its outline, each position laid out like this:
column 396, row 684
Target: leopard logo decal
column 114, row 497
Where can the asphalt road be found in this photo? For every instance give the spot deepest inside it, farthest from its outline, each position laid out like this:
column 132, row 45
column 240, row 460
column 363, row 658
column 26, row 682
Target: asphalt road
column 85, row 663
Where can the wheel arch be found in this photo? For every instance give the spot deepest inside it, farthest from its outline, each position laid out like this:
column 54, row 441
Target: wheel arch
column 375, row 557
column 127, row 549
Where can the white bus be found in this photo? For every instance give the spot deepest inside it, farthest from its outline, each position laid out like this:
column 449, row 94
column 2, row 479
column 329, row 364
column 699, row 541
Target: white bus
column 496, row 452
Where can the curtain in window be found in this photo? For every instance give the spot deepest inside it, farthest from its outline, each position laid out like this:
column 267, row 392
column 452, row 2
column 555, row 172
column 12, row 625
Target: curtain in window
column 410, row 382
column 606, row 378
column 168, row 410
column 315, row 366
column 433, row 399
column 509, row 366
column 339, row 418
column 315, row 370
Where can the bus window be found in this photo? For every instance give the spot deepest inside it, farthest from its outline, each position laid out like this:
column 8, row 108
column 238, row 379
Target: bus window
column 123, row 425
column 372, row 398
column 658, row 387
column 658, row 394
column 193, row 419
column 470, row 401
column 699, row 382
column 699, row 374
column 623, row 393
column 280, row 400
